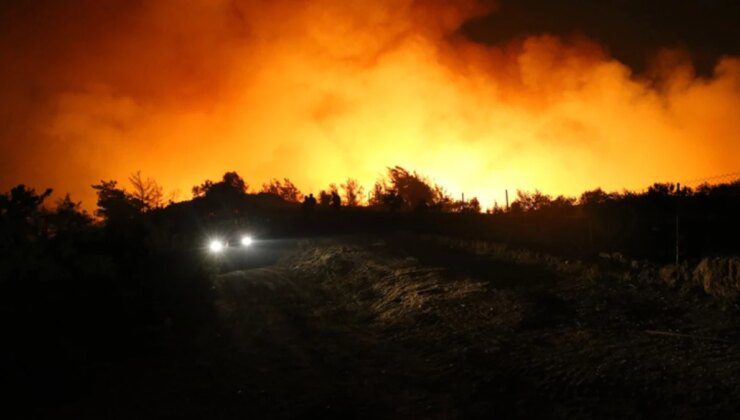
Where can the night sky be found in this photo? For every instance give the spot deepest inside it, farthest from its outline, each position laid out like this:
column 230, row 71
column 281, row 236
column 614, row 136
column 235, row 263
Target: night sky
column 632, row 30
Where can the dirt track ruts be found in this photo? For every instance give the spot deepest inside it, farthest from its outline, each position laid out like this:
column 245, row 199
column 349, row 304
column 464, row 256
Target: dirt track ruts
column 405, row 327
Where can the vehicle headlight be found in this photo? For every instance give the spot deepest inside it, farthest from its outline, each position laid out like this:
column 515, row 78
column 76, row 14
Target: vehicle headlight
column 246, row 240
column 216, row 246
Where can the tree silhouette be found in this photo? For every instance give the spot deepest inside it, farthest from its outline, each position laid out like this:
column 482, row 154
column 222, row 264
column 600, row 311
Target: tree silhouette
column 659, row 189
column 531, row 201
column 376, row 195
column 115, row 205
column 496, row 209
column 385, row 195
column 411, row 187
column 67, row 216
column 285, row 190
column 471, row 207
column 595, row 197
column 231, row 185
column 22, row 202
column 353, row 192
column 202, row 189
column 235, row 182
column 20, row 215
column 405, row 190
column 147, row 191
column 562, row 202
column 442, row 201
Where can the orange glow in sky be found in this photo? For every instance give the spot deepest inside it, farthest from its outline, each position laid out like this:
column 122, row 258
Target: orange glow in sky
column 319, row 91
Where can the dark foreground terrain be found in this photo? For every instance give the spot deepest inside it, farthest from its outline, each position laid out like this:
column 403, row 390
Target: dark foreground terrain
column 410, row 327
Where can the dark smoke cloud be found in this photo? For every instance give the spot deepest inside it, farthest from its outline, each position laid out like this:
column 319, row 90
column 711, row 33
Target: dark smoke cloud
column 632, row 30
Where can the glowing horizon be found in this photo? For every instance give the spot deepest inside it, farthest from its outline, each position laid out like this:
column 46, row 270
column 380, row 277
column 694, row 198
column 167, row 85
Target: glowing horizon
column 322, row 91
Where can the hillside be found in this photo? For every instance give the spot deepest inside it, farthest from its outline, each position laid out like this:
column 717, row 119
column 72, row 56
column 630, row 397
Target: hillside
column 408, row 326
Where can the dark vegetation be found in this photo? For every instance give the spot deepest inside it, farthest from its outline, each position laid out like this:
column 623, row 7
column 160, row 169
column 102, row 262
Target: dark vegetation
column 83, row 294
column 665, row 222
column 77, row 296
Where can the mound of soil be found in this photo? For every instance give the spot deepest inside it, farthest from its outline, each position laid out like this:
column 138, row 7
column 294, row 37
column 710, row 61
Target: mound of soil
column 719, row 276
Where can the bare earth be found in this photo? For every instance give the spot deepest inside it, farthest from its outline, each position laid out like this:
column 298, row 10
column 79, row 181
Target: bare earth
column 406, row 327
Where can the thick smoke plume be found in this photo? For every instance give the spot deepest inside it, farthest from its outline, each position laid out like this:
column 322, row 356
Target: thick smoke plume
column 318, row 91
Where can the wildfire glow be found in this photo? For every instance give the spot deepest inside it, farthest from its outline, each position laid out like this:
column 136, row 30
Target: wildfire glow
column 323, row 90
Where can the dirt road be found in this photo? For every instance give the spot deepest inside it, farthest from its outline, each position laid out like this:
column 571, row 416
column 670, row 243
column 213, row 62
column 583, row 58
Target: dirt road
column 409, row 328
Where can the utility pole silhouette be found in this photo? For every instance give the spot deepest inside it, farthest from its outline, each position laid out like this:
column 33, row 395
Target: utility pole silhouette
column 507, row 199
column 678, row 198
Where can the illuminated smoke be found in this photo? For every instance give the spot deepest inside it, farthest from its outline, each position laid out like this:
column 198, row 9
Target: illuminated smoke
column 318, row 91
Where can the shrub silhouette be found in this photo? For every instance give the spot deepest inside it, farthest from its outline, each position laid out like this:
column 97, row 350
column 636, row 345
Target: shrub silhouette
column 285, row 190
